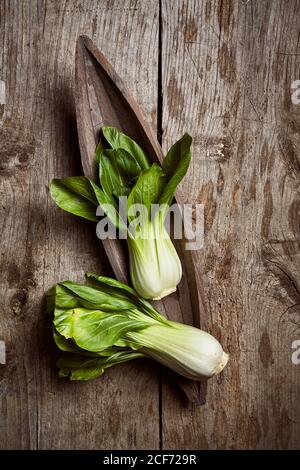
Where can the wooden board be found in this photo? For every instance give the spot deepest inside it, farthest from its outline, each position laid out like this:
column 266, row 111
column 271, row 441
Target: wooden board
column 227, row 69
column 228, row 82
column 103, row 99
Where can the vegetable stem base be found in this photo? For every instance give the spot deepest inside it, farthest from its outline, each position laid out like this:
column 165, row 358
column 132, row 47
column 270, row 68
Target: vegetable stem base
column 165, row 293
column 222, row 364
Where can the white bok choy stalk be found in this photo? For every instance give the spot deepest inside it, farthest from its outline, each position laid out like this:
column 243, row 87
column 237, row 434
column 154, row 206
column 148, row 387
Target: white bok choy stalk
column 103, row 323
column 124, row 170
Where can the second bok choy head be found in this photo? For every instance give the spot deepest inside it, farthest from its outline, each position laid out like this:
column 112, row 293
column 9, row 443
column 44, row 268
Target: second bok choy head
column 105, row 323
column 125, row 174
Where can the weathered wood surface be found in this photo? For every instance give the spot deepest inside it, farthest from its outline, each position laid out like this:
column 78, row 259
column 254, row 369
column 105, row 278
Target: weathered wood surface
column 227, row 69
column 227, row 74
column 41, row 244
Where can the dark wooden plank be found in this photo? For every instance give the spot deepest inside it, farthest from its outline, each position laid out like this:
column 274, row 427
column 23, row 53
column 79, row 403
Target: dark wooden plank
column 40, row 244
column 103, row 99
column 227, row 73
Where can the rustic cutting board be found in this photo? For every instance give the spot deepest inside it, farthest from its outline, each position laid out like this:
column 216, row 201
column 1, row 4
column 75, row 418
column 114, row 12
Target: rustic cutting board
column 102, row 99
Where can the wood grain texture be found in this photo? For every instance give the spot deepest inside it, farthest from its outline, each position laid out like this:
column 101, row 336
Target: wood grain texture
column 40, row 244
column 228, row 81
column 227, row 69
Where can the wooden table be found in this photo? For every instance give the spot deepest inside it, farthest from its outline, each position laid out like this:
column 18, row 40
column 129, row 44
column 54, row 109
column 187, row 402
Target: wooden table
column 222, row 71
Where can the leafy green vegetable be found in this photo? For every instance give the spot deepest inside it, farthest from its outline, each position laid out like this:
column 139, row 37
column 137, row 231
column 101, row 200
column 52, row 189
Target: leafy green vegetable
column 75, row 195
column 114, row 288
column 85, row 368
column 124, row 170
column 94, row 330
column 147, row 189
column 92, row 340
column 176, row 165
column 112, row 178
column 127, row 163
column 118, row 140
column 91, row 298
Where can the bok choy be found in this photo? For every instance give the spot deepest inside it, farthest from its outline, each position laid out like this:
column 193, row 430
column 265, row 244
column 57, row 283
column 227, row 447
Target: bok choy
column 105, row 323
column 124, row 171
